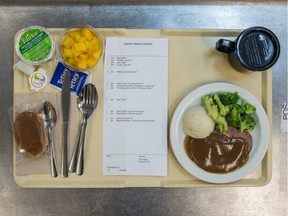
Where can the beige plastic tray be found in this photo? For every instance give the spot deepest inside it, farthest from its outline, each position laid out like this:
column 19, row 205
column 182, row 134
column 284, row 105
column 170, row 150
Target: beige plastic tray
column 193, row 62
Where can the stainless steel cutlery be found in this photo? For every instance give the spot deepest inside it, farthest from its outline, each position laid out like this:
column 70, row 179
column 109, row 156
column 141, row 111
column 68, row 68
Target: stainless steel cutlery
column 87, row 102
column 50, row 121
column 65, row 105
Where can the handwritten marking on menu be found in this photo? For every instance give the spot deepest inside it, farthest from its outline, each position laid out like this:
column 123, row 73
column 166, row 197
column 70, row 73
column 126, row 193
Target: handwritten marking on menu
column 135, row 106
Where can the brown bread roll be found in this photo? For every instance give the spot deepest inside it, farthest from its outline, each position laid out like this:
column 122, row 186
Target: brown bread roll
column 29, row 133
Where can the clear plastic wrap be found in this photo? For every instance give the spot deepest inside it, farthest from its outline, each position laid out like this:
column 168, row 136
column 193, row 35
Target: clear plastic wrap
column 29, row 130
column 27, row 164
column 30, row 134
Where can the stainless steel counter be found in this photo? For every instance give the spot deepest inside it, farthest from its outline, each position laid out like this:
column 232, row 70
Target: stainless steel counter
column 265, row 201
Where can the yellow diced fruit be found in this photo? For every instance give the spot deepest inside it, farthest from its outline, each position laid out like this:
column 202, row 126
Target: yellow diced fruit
column 82, row 39
column 87, row 33
column 75, row 52
column 88, row 44
column 68, row 42
column 71, row 61
column 76, row 35
column 97, row 54
column 95, row 41
column 91, row 50
column 83, row 56
column 81, row 65
column 67, row 53
column 80, row 46
column 91, row 61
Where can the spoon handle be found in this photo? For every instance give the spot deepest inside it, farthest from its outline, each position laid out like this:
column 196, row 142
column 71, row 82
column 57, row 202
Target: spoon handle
column 80, row 158
column 73, row 161
column 53, row 166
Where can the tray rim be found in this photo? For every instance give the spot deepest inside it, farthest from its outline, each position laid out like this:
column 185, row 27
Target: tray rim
column 266, row 173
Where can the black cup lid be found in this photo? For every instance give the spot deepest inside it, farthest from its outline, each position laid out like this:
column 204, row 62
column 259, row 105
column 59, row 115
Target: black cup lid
column 258, row 48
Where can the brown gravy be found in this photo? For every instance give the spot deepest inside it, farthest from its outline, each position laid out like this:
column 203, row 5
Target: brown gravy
column 217, row 153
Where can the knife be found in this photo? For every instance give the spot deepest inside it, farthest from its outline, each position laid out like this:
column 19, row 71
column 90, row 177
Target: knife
column 65, row 105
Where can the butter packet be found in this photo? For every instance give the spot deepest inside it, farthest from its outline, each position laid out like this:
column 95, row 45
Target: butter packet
column 77, row 78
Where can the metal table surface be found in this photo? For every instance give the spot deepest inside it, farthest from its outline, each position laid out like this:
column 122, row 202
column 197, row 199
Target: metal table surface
column 237, row 201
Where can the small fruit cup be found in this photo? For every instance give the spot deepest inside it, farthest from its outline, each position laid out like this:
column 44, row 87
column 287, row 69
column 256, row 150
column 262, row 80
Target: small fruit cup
column 81, row 48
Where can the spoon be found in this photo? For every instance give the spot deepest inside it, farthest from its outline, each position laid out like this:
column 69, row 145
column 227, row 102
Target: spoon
column 50, row 121
column 87, row 102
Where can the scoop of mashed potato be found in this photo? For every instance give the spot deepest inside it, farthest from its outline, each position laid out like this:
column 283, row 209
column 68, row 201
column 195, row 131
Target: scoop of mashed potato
column 197, row 123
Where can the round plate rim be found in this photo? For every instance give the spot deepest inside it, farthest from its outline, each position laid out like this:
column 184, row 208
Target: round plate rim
column 252, row 163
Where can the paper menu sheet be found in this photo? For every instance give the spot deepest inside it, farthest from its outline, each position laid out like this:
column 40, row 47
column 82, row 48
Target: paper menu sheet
column 135, row 106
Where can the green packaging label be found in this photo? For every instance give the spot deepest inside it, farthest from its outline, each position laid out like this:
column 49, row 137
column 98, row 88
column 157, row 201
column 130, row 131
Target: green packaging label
column 35, row 45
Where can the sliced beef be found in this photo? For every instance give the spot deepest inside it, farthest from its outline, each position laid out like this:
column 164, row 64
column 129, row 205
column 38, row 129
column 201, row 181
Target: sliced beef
column 234, row 132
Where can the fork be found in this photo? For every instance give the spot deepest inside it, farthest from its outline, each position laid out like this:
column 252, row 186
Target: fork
column 87, row 102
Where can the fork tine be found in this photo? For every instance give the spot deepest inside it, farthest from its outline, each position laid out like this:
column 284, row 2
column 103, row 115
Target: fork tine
column 91, row 94
column 85, row 94
column 94, row 95
column 88, row 94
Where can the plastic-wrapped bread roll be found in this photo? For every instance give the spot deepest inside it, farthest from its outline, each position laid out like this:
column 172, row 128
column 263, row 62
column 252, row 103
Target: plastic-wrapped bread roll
column 29, row 133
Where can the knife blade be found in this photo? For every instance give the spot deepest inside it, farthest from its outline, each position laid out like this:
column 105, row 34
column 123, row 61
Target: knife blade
column 65, row 105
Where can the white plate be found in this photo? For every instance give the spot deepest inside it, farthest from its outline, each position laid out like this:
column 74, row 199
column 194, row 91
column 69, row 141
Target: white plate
column 260, row 134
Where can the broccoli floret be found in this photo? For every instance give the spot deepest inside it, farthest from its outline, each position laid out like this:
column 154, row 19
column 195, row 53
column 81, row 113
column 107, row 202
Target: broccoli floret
column 234, row 116
column 227, row 109
column 211, row 108
column 223, row 110
column 247, row 123
column 221, row 124
column 249, row 108
column 229, row 98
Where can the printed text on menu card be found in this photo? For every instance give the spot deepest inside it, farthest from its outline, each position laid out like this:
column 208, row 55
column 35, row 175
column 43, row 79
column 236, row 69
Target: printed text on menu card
column 135, row 106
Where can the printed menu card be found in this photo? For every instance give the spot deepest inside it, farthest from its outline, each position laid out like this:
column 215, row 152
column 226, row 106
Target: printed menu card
column 135, row 112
